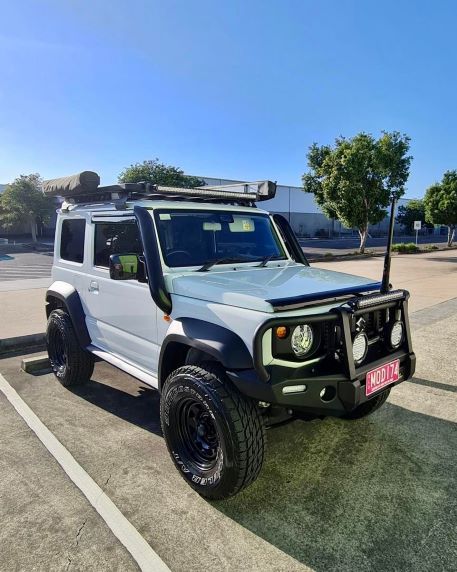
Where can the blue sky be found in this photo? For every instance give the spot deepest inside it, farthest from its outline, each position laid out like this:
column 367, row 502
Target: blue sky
column 235, row 89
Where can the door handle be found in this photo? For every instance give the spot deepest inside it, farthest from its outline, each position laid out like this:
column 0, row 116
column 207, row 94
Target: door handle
column 93, row 286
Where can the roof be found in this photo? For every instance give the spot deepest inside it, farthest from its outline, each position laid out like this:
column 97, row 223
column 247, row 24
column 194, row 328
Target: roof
column 162, row 204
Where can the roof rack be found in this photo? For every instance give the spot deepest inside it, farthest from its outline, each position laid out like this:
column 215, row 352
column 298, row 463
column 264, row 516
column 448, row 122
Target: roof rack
column 83, row 189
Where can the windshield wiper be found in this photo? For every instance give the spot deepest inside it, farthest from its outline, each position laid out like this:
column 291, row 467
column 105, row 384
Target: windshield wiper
column 266, row 260
column 209, row 263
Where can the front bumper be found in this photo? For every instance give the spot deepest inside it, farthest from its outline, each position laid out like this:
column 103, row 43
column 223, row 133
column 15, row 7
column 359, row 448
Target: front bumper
column 329, row 390
column 348, row 393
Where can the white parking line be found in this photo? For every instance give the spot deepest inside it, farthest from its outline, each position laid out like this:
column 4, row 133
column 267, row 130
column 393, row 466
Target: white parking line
column 122, row 528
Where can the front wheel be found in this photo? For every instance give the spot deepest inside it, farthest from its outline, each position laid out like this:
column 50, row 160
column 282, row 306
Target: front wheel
column 368, row 407
column 215, row 435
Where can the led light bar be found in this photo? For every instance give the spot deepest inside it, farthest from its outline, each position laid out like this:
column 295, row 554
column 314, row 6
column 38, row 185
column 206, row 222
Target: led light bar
column 257, row 191
column 375, row 299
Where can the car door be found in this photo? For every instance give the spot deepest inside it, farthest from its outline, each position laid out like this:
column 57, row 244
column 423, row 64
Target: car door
column 120, row 314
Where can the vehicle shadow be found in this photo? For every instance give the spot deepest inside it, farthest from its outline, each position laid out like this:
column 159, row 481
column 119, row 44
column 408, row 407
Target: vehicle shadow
column 142, row 409
column 443, row 259
column 375, row 494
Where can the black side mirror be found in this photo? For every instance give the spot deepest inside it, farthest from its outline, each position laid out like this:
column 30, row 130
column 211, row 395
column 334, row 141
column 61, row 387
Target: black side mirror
column 127, row 267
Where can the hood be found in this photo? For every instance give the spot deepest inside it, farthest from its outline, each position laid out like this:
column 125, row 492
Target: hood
column 267, row 289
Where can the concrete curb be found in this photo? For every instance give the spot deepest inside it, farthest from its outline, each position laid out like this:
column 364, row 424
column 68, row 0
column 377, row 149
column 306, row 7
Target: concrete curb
column 19, row 343
column 35, row 365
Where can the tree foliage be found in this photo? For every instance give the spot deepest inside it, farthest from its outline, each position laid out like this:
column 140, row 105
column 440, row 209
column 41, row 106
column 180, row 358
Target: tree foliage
column 22, row 202
column 413, row 210
column 441, row 203
column 153, row 171
column 354, row 180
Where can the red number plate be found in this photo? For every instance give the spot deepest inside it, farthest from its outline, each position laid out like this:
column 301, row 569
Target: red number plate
column 381, row 376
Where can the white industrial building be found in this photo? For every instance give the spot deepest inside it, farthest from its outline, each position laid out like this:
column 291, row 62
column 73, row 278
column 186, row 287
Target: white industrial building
column 304, row 215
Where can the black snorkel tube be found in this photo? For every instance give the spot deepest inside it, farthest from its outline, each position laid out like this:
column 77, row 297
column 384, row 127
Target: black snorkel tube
column 385, row 283
column 156, row 281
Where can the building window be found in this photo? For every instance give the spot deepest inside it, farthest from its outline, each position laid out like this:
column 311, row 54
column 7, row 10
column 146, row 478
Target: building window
column 115, row 238
column 72, row 240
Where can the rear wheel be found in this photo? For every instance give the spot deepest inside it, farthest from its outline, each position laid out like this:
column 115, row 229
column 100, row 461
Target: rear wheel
column 368, row 407
column 71, row 364
column 214, row 434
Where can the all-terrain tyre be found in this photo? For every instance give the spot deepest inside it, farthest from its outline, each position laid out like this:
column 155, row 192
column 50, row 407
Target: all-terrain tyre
column 368, row 407
column 71, row 364
column 215, row 435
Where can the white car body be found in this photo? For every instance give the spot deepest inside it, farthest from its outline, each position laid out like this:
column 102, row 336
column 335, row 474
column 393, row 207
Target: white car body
column 127, row 328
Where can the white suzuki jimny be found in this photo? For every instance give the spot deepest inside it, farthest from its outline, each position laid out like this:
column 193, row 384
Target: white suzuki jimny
column 210, row 300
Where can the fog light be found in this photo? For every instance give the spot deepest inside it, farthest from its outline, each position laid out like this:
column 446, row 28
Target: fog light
column 396, row 334
column 359, row 347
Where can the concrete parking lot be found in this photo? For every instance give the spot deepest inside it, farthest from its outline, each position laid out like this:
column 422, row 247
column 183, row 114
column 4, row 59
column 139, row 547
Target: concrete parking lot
column 375, row 494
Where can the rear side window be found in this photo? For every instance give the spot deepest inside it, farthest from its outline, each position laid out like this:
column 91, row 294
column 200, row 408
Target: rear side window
column 115, row 238
column 72, row 240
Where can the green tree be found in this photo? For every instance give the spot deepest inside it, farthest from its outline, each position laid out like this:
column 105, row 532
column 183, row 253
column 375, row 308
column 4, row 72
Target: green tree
column 22, row 202
column 355, row 179
column 152, row 171
column 441, row 204
column 413, row 210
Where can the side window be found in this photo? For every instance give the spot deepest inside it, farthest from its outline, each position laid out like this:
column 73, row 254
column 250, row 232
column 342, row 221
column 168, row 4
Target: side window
column 115, row 238
column 72, row 240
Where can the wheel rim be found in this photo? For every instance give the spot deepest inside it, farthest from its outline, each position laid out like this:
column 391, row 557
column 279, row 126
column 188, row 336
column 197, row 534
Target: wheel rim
column 57, row 353
column 198, row 434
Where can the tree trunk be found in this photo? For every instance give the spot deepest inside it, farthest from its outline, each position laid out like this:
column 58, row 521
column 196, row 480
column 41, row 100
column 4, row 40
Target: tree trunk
column 363, row 238
column 33, row 229
column 450, row 235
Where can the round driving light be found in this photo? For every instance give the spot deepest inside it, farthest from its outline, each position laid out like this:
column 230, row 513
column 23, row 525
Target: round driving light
column 396, row 334
column 302, row 340
column 359, row 347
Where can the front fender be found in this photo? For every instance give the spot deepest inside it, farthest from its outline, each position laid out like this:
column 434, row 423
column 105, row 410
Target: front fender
column 220, row 343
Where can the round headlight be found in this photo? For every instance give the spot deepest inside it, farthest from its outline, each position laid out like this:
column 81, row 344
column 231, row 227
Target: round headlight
column 359, row 347
column 302, row 340
column 396, row 334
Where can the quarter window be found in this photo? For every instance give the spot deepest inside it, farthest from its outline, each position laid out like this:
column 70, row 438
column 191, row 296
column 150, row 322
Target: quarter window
column 115, row 238
column 72, row 240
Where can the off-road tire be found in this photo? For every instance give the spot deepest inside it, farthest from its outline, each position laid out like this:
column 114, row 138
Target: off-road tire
column 239, row 446
column 71, row 364
column 368, row 407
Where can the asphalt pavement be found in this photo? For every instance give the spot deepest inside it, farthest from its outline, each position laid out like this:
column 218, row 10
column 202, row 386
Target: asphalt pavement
column 25, row 266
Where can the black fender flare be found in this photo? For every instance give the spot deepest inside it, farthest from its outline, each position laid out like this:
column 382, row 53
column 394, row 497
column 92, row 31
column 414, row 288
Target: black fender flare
column 220, row 343
column 69, row 297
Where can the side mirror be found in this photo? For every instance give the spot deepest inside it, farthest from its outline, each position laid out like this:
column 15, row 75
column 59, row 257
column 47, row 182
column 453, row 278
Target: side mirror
column 127, row 267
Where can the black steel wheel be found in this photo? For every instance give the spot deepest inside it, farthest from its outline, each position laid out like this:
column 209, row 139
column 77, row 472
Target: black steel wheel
column 214, row 434
column 71, row 364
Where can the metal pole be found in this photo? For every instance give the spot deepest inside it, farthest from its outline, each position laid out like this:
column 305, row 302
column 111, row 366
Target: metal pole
column 385, row 285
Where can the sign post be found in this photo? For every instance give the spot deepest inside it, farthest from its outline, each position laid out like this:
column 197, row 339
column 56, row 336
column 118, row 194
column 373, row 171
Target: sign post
column 417, row 227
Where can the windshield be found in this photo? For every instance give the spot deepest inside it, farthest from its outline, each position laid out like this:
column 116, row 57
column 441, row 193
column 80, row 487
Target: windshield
column 194, row 238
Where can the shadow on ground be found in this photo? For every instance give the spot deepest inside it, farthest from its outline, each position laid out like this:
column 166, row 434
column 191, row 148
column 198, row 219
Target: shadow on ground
column 142, row 409
column 375, row 494
column 444, row 259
